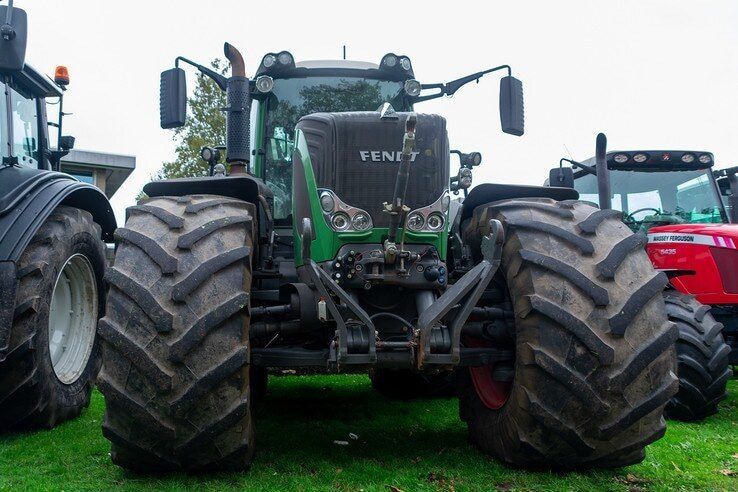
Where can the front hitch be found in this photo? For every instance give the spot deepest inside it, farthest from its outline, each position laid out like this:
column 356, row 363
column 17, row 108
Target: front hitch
column 439, row 344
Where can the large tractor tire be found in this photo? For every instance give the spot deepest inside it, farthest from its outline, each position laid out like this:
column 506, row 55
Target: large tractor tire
column 594, row 351
column 403, row 384
column 702, row 355
column 53, row 357
column 175, row 372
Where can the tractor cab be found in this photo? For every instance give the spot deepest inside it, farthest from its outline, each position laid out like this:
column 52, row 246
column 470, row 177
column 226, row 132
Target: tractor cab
column 656, row 188
column 285, row 91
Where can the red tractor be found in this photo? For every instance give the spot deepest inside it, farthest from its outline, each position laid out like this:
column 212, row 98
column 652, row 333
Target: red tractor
column 672, row 199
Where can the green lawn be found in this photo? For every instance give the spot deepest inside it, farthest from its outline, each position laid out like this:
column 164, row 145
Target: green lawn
column 419, row 445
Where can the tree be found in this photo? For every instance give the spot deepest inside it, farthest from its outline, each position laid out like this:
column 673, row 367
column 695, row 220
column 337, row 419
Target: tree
column 206, row 125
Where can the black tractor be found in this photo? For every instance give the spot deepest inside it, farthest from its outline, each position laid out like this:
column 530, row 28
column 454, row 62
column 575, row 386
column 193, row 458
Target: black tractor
column 52, row 254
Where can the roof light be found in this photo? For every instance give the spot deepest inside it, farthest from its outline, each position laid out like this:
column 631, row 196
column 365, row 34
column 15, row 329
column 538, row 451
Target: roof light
column 61, row 75
column 705, row 158
column 620, row 158
column 269, row 60
column 264, row 83
column 285, row 58
column 389, row 60
column 405, row 63
column 687, row 158
column 640, row 158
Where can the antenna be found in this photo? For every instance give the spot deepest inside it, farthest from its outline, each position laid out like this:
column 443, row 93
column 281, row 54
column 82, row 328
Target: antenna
column 344, row 51
column 9, row 13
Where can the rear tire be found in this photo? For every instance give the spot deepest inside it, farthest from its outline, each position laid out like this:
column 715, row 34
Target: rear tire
column 702, row 355
column 595, row 358
column 60, row 297
column 175, row 354
column 404, row 384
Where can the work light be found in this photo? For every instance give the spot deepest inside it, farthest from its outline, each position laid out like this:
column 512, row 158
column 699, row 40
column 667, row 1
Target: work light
column 269, row 60
column 412, row 87
column 705, row 158
column 620, row 158
column 405, row 63
column 389, row 60
column 285, row 58
column 639, row 158
column 264, row 83
column 687, row 158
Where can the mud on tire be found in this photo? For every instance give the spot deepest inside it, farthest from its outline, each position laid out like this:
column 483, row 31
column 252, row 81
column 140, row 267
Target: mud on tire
column 31, row 393
column 595, row 362
column 702, row 355
column 175, row 338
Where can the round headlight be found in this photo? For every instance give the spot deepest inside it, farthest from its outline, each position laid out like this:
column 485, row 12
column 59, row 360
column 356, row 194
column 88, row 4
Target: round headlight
column 465, row 177
column 264, row 83
column 705, row 158
column 412, row 87
column 340, row 221
column 327, row 203
column 268, row 61
column 620, row 158
column 435, row 222
column 405, row 63
column 284, row 58
column 688, row 158
column 389, row 60
column 415, row 221
column 361, row 221
column 639, row 158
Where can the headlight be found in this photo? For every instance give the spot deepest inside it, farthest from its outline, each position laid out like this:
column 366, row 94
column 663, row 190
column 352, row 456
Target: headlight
column 264, row 83
column 268, row 61
column 639, row 158
column 361, row 221
column 389, row 60
column 405, row 63
column 340, row 221
column 465, row 177
column 327, row 203
column 688, row 158
column 705, row 158
column 435, row 222
column 285, row 58
column 415, row 221
column 620, row 158
column 412, row 87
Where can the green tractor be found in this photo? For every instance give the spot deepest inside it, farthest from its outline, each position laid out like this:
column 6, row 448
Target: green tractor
column 331, row 241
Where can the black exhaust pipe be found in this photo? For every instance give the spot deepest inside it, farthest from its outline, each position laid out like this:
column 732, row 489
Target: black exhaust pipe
column 603, row 175
column 238, row 113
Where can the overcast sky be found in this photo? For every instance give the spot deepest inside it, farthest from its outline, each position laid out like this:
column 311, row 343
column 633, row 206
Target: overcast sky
column 649, row 73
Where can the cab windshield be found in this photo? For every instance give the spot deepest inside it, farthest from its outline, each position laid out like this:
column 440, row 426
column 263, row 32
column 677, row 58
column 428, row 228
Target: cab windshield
column 291, row 99
column 648, row 199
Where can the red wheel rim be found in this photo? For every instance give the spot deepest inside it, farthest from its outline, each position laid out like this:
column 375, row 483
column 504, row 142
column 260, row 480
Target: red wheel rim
column 493, row 393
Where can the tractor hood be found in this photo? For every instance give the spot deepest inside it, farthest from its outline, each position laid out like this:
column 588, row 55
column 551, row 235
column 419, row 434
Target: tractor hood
column 356, row 155
column 720, row 235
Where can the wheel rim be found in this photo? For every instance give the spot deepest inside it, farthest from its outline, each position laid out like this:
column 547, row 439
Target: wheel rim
column 491, row 392
column 73, row 319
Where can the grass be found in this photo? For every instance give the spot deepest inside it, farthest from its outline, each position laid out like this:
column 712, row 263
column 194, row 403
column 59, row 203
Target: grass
column 417, row 445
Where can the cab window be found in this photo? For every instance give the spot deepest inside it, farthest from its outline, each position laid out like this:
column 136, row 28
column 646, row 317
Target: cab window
column 25, row 129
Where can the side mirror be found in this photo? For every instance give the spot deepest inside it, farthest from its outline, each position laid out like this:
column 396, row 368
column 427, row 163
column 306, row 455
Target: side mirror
column 562, row 177
column 172, row 98
column 66, row 142
column 13, row 36
column 511, row 106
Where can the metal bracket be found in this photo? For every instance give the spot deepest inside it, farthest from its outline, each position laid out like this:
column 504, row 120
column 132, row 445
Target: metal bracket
column 470, row 287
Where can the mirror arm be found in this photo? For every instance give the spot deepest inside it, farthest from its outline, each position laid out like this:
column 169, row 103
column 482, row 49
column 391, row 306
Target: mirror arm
column 588, row 169
column 219, row 79
column 450, row 88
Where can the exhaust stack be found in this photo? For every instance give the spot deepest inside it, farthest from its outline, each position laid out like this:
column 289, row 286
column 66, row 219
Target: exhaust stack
column 238, row 113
